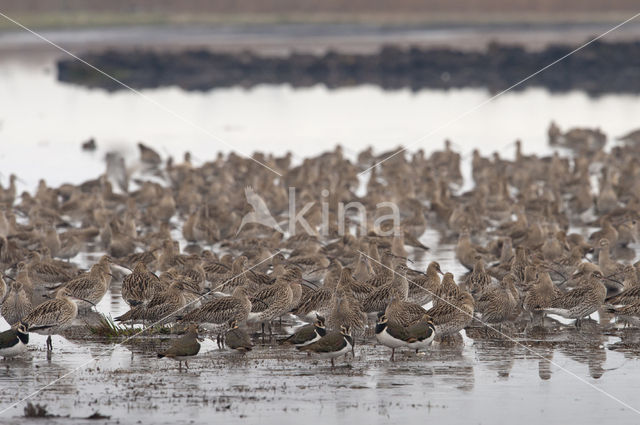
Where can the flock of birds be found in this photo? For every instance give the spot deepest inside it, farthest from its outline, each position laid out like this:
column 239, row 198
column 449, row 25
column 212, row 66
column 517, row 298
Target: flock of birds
column 347, row 280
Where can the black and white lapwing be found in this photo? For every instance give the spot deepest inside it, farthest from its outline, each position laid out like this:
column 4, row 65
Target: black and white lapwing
column 13, row 342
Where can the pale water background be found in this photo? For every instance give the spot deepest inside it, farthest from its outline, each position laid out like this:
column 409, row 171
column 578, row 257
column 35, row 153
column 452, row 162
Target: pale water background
column 42, row 124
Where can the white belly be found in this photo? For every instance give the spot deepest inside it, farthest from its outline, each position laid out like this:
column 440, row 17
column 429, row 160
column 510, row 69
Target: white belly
column 317, row 337
column 255, row 317
column 388, row 341
column 334, row 354
column 422, row 344
column 16, row 350
column 311, row 316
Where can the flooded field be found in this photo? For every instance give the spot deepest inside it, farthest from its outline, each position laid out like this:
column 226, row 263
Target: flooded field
column 516, row 375
column 460, row 382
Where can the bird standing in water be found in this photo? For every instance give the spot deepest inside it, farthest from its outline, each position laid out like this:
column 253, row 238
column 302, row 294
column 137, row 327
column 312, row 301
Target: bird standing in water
column 332, row 345
column 183, row 348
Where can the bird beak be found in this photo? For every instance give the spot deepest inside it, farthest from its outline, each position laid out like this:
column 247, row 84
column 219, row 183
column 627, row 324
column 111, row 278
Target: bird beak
column 617, row 282
column 309, row 284
column 82, row 299
column 192, row 291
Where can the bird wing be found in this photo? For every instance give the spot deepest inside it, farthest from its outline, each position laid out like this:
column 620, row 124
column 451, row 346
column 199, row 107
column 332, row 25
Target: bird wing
column 397, row 331
column 8, row 338
column 572, row 298
column 219, row 310
column 302, row 335
column 442, row 312
column 237, row 338
column 80, row 287
column 313, row 301
column 333, row 341
column 377, row 300
column 53, row 274
column 419, row 331
column 263, row 299
column 46, row 314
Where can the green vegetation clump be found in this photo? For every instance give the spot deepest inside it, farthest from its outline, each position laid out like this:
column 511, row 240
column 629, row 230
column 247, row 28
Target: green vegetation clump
column 108, row 329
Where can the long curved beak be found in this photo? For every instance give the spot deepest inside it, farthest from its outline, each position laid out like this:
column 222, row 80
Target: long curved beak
column 613, row 280
column 82, row 299
column 309, row 284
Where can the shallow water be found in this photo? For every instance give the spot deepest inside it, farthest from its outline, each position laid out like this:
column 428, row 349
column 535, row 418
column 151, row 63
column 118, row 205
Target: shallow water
column 486, row 379
column 493, row 378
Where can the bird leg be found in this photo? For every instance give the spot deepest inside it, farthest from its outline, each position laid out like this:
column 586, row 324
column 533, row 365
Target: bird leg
column 186, row 364
column 393, row 351
column 49, row 344
column 219, row 341
column 332, row 363
column 179, row 365
column 263, row 333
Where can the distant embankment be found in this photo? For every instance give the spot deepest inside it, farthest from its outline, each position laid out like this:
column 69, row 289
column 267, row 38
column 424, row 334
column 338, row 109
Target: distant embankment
column 596, row 69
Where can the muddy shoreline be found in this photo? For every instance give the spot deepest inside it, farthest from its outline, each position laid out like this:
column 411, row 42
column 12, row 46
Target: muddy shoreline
column 597, row 69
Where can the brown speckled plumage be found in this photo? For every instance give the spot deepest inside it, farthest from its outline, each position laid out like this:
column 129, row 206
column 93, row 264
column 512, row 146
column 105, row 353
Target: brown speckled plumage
column 141, row 285
column 404, row 313
column 53, row 315
column 453, row 316
column 580, row 302
column 16, row 304
column 219, row 311
column 398, row 288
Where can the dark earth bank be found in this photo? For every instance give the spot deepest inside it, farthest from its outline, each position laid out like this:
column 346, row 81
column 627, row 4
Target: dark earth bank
column 597, row 69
